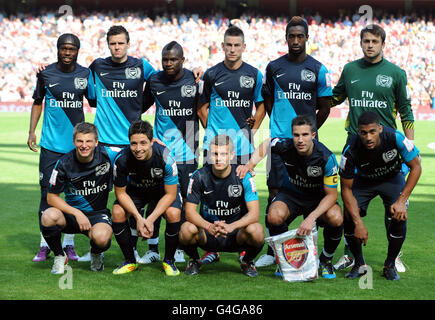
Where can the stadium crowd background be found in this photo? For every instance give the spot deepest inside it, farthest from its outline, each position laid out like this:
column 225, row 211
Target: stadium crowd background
column 27, row 40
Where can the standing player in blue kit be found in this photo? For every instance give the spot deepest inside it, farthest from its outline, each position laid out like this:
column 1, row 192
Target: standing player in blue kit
column 230, row 91
column 62, row 85
column 175, row 93
column 296, row 84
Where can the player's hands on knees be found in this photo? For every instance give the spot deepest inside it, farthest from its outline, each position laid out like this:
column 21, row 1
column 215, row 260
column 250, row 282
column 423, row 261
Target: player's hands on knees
column 399, row 211
column 31, row 142
column 306, row 226
column 83, row 222
column 361, row 233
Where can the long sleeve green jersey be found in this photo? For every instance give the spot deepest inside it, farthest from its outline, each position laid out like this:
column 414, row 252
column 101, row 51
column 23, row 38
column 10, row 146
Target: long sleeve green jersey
column 380, row 87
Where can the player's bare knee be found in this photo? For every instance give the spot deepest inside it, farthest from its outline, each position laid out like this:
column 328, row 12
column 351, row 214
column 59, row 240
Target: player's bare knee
column 172, row 215
column 50, row 217
column 118, row 214
column 187, row 233
column 334, row 217
column 255, row 232
column 275, row 217
column 101, row 234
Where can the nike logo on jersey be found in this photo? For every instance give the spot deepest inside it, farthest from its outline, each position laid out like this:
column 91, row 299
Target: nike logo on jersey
column 353, row 81
column 160, row 92
column 104, row 73
column 53, row 84
column 365, row 164
column 218, row 83
column 289, row 164
column 208, row 192
column 280, row 75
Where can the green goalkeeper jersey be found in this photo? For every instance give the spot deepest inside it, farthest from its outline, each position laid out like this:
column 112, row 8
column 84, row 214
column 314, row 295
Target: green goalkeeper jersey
column 379, row 87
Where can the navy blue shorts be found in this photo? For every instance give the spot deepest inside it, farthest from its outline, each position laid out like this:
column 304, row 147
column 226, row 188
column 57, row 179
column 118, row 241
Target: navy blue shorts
column 276, row 171
column 47, row 161
column 228, row 244
column 185, row 171
column 72, row 227
column 151, row 199
column 389, row 191
column 298, row 206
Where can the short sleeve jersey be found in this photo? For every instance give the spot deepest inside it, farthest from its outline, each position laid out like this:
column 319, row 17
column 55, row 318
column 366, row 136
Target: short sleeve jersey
column 86, row 185
column 119, row 91
column 231, row 95
column 294, row 89
column 63, row 108
column 380, row 87
column 378, row 164
column 176, row 121
column 221, row 198
column 143, row 177
column 307, row 176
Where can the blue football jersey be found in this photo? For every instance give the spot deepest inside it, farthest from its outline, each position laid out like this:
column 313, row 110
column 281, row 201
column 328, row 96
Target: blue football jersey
column 62, row 94
column 86, row 185
column 221, row 198
column 294, row 88
column 380, row 163
column 231, row 95
column 307, row 176
column 176, row 120
column 144, row 177
column 119, row 91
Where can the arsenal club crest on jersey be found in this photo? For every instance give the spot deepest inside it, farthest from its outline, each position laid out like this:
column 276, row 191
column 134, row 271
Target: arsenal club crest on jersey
column 384, row 81
column 188, row 91
column 102, row 169
column 157, row 172
column 246, row 82
column 234, row 190
column 308, row 75
column 389, row 155
column 295, row 252
column 80, row 83
column 132, row 73
column 314, row 171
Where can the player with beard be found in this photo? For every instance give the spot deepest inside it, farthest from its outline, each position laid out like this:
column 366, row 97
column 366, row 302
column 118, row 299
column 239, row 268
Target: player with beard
column 62, row 86
column 374, row 83
column 296, row 84
column 310, row 189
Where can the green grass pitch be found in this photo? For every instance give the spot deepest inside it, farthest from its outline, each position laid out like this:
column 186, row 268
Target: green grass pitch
column 20, row 278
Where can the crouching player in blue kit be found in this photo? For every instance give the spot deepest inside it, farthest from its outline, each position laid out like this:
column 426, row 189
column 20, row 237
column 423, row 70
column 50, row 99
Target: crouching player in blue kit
column 229, row 211
column 143, row 173
column 375, row 154
column 85, row 176
column 310, row 190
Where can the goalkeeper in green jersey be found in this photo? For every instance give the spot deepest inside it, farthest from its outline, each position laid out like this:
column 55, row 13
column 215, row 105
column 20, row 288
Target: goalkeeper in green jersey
column 373, row 83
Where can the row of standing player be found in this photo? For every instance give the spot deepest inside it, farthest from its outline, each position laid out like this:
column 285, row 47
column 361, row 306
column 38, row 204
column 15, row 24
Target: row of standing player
column 308, row 79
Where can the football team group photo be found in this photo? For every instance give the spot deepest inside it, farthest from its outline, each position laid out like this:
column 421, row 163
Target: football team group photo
column 243, row 154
